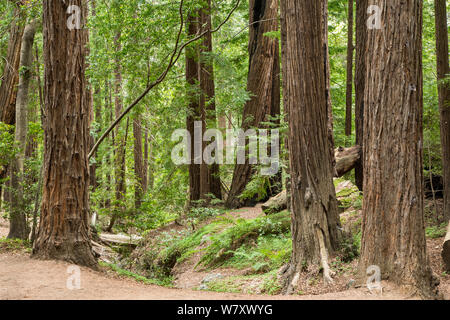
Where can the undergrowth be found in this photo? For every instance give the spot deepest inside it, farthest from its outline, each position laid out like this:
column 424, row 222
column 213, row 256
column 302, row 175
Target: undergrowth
column 166, row 282
column 15, row 245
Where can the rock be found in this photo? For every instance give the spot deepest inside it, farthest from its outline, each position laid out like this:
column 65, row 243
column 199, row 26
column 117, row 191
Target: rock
column 345, row 185
column 211, row 277
column 203, row 287
column 275, row 204
column 351, row 284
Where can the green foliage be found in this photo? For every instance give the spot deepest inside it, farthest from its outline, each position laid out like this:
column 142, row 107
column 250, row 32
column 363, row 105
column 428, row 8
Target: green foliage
column 13, row 245
column 224, row 244
column 270, row 252
column 438, row 231
column 7, row 149
column 166, row 282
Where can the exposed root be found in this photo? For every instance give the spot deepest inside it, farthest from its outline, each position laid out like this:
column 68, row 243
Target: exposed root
column 327, row 273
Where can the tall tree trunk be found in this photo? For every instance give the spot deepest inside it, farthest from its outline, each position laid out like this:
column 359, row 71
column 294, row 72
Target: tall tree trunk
column 209, row 175
column 193, row 112
column 285, row 107
column 349, row 91
column 120, row 187
column 360, row 79
column 263, row 83
column 138, row 163
column 443, row 70
column 393, row 231
column 8, row 88
column 315, row 218
column 328, row 81
column 18, row 228
column 64, row 232
column 145, row 170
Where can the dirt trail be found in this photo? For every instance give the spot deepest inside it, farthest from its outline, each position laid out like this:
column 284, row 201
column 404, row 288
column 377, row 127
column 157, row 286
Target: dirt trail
column 24, row 278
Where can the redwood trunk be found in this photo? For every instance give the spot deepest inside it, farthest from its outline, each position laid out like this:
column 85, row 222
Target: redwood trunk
column 360, row 78
column 64, row 232
column 120, row 140
column 393, row 231
column 209, row 175
column 138, row 163
column 193, row 113
column 18, row 223
column 313, row 200
column 10, row 78
column 349, row 91
column 263, row 83
column 443, row 70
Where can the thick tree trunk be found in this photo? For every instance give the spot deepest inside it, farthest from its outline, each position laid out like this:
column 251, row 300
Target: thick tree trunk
column 360, row 79
column 209, row 175
column 393, row 231
column 193, row 112
column 443, row 70
column 349, row 91
column 315, row 218
column 263, row 83
column 18, row 228
column 138, row 163
column 64, row 232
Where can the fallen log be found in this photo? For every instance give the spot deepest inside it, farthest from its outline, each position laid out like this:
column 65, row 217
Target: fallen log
column 275, row 204
column 118, row 239
column 346, row 159
column 446, row 250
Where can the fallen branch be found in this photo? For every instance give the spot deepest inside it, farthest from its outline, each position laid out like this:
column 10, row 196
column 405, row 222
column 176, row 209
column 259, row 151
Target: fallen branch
column 176, row 54
column 346, row 159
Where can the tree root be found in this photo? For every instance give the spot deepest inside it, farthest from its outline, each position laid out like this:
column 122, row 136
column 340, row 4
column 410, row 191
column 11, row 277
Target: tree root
column 327, row 273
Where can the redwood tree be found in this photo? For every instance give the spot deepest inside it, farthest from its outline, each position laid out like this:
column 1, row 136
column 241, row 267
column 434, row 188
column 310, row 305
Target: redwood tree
column 443, row 70
column 349, row 91
column 209, row 175
column 10, row 76
column 393, row 231
column 193, row 112
column 18, row 224
column 360, row 78
column 313, row 201
column 64, row 232
column 263, row 83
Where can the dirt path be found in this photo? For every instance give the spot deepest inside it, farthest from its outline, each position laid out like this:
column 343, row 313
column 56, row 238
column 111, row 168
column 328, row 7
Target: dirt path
column 25, row 278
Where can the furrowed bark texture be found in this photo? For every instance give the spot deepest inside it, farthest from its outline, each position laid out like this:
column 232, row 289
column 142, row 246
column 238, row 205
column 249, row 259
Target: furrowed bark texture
column 193, row 113
column 313, row 200
column 64, row 232
column 360, row 78
column 209, row 174
column 349, row 91
column 393, row 232
column 443, row 70
column 263, row 83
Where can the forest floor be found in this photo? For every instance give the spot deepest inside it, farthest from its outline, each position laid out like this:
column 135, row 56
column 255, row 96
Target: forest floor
column 24, row 278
